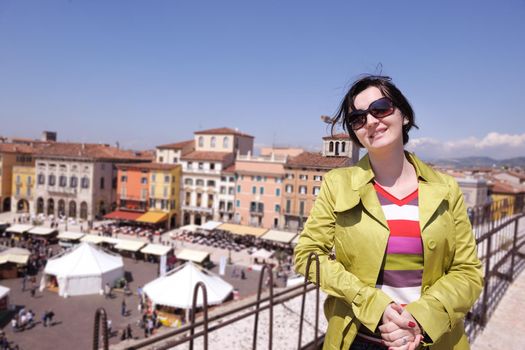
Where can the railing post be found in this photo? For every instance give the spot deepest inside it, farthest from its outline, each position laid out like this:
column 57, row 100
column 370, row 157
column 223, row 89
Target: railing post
column 514, row 249
column 317, row 283
column 486, row 294
column 258, row 306
column 202, row 286
column 100, row 316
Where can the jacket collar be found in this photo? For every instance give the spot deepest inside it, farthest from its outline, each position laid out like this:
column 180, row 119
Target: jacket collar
column 357, row 187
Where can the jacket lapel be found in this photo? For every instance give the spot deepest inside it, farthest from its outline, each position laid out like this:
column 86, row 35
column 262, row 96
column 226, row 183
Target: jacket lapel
column 430, row 197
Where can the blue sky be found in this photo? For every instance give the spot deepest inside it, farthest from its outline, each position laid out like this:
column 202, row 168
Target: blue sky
column 151, row 72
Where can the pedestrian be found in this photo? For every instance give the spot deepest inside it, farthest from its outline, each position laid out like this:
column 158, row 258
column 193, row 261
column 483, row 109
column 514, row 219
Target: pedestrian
column 24, row 281
column 129, row 334
column 50, row 316
column 401, row 232
column 107, row 291
column 243, row 275
column 123, row 307
column 14, row 323
column 150, row 326
column 45, row 318
column 109, row 323
column 33, row 291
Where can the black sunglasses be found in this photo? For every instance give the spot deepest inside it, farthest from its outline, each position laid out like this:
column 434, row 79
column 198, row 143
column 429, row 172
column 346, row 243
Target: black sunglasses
column 379, row 109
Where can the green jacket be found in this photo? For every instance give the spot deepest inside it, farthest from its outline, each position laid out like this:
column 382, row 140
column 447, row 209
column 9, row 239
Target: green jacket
column 347, row 217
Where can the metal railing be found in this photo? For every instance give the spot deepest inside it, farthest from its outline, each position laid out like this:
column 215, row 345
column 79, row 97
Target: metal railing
column 500, row 234
column 497, row 230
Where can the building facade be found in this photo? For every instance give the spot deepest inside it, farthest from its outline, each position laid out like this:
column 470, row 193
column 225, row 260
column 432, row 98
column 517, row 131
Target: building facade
column 23, row 189
column 259, row 190
column 79, row 180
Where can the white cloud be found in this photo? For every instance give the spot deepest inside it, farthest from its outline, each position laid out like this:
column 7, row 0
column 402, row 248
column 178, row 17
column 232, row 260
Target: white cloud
column 493, row 145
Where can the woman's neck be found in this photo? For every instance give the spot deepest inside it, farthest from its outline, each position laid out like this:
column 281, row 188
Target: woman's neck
column 391, row 168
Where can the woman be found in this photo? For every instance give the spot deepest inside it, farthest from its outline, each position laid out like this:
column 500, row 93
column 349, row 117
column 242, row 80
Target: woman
column 406, row 270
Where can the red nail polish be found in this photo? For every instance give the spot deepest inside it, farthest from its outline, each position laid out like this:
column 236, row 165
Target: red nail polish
column 411, row 324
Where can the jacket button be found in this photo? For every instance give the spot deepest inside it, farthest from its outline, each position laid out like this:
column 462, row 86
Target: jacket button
column 425, row 289
column 431, row 244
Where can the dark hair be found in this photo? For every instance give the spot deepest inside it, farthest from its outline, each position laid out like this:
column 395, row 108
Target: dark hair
column 388, row 89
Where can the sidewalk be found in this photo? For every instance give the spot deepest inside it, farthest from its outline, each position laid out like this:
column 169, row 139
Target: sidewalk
column 506, row 327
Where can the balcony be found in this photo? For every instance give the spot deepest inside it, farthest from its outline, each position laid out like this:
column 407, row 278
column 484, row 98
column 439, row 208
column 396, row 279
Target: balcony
column 197, row 209
column 63, row 191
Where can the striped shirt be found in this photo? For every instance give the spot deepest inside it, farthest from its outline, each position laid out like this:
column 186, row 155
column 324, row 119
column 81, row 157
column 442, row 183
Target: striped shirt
column 402, row 269
column 402, row 272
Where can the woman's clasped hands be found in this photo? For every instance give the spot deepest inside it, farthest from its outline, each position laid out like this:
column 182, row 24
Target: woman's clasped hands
column 400, row 330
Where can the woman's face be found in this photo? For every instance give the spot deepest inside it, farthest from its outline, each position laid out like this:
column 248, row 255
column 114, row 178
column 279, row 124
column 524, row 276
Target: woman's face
column 378, row 135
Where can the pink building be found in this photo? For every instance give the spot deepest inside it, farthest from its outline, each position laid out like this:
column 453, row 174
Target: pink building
column 259, row 190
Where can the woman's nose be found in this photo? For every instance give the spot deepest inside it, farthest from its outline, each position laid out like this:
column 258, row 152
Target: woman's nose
column 371, row 120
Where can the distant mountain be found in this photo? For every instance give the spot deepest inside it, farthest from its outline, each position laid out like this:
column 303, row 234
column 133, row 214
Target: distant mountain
column 470, row 162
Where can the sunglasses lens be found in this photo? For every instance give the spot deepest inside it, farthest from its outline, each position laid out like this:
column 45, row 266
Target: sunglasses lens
column 357, row 121
column 381, row 108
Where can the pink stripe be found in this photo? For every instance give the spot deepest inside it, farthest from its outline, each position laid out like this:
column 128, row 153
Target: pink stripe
column 404, row 245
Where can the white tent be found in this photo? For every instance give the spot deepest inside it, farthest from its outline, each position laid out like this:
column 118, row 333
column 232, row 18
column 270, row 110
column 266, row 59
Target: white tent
column 176, row 288
column 84, row 269
column 211, row 225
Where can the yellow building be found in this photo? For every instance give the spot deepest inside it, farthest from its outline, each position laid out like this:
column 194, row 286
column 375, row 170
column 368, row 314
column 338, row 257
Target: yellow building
column 164, row 194
column 507, row 199
column 12, row 155
column 23, row 188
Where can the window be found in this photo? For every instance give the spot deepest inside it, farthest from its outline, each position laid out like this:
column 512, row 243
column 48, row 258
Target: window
column 238, row 203
column 343, row 144
column 18, row 179
column 190, row 165
column 212, row 166
column 102, row 183
column 301, row 208
column 29, row 180
column 41, row 179
column 331, row 147
column 153, row 177
column 211, row 183
column 51, row 180
column 143, row 193
column 259, row 179
column 238, row 188
column 144, row 180
column 62, row 181
column 212, row 142
column 161, row 159
column 201, row 141
column 123, row 178
column 278, row 180
column 289, row 176
column 288, row 206
column 277, row 192
column 231, row 190
column 166, row 178
column 303, row 177
column 318, row 178
column 201, row 166
column 225, row 142
column 153, row 190
column 199, row 182
column 73, row 182
column 254, row 190
column 84, row 183
column 223, row 190
column 277, row 208
column 165, row 192
column 316, row 190
column 188, row 182
column 261, row 190
column 289, row 188
column 302, row 189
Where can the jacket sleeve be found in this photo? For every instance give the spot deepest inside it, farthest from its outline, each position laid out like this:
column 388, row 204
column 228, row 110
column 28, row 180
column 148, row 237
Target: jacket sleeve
column 448, row 300
column 367, row 303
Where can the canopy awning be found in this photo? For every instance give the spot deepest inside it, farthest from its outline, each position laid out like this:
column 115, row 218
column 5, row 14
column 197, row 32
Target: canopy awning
column 156, row 249
column 15, row 255
column 92, row 239
column 4, row 291
column 153, row 217
column 211, row 225
column 243, row 230
column 129, row 245
column 262, row 254
column 279, row 236
column 110, row 240
column 42, row 231
column 123, row 215
column 197, row 256
column 70, row 236
column 19, row 228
